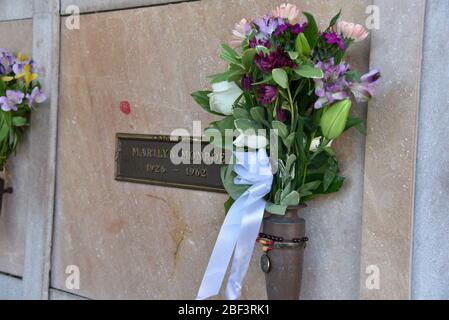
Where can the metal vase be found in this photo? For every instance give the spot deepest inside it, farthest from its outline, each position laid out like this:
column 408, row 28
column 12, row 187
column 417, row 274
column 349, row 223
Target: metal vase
column 283, row 265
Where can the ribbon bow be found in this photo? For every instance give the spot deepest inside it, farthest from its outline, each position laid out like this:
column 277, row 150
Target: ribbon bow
column 241, row 227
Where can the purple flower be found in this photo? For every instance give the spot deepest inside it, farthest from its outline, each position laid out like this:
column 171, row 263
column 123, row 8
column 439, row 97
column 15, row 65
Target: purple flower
column 254, row 42
column 12, row 99
column 266, row 94
column 6, row 60
column 333, row 86
column 17, row 68
column 333, row 38
column 275, row 59
column 246, row 83
column 281, row 29
column 281, row 115
column 364, row 90
column 298, row 28
column 37, row 95
column 267, row 25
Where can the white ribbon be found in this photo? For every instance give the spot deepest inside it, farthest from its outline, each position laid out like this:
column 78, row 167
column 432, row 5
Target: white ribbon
column 241, row 227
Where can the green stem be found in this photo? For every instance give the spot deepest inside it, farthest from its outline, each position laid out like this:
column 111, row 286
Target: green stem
column 307, row 151
column 292, row 109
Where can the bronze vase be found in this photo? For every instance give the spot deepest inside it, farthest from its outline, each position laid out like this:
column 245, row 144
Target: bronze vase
column 283, row 264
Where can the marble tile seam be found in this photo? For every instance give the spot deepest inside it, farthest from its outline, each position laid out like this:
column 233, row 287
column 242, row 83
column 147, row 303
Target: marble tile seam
column 112, row 8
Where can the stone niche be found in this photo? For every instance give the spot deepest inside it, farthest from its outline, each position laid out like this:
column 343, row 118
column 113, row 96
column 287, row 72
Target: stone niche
column 139, row 241
column 15, row 36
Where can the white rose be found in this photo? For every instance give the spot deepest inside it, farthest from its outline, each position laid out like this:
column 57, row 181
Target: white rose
column 252, row 141
column 223, row 97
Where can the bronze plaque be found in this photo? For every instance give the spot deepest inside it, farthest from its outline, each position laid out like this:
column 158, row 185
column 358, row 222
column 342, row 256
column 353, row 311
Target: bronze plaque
column 147, row 159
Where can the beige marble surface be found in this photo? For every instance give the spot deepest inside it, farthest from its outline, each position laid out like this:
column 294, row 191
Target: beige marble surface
column 15, row 36
column 391, row 149
column 139, row 241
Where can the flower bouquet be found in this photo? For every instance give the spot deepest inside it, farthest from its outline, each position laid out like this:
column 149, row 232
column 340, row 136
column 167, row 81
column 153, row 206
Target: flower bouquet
column 19, row 92
column 286, row 77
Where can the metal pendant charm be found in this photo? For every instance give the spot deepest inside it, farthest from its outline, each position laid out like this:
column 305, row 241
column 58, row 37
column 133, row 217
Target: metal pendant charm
column 265, row 263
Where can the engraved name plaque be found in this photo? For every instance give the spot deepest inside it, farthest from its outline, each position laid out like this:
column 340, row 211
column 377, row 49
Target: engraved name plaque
column 148, row 159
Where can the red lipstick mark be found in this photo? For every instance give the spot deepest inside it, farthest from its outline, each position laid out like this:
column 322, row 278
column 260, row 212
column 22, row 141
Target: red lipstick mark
column 125, row 107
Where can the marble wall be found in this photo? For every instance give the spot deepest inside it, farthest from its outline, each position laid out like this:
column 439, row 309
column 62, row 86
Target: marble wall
column 15, row 36
column 139, row 241
column 431, row 221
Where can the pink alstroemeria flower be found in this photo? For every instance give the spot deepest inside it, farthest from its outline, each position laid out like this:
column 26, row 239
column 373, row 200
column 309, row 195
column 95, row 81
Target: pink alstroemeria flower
column 240, row 32
column 287, row 11
column 355, row 32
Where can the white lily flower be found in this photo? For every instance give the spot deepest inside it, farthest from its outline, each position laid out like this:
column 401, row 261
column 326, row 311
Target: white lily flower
column 316, row 143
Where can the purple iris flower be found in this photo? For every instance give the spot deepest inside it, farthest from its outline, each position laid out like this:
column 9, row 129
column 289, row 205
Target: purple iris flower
column 246, row 83
column 333, row 38
column 12, row 99
column 37, row 95
column 273, row 60
column 364, row 90
column 266, row 94
column 333, row 86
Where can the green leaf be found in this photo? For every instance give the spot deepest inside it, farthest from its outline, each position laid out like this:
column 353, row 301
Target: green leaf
column 281, row 127
column 290, row 140
column 290, row 161
column 302, row 46
column 280, row 77
column 336, row 185
column 228, row 204
column 276, row 209
column 311, row 186
column 240, row 113
column 330, row 174
column 357, row 123
column 258, row 115
column 309, row 71
column 291, row 200
column 219, row 77
column 203, row 100
column 246, row 124
column 4, row 131
column 293, row 55
column 335, row 20
column 353, row 76
column 228, row 54
column 311, row 31
column 248, row 58
column 225, row 128
column 227, row 177
column 19, row 121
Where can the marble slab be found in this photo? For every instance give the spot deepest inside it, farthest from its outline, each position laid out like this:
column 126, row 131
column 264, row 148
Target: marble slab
column 138, row 241
column 391, row 150
column 15, row 36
